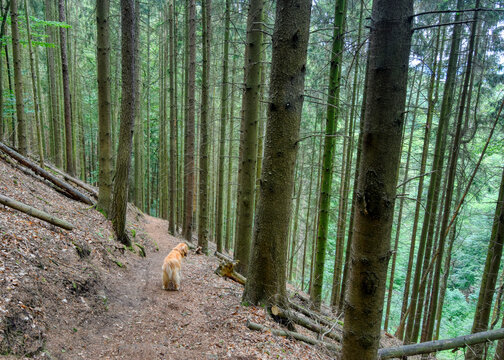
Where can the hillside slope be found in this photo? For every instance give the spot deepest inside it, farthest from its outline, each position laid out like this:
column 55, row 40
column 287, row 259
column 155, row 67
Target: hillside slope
column 80, row 295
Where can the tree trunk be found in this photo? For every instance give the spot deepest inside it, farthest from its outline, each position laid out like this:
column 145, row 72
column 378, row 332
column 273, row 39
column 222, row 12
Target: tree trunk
column 18, row 81
column 450, row 187
column 128, row 61
column 308, row 209
column 104, row 105
column 138, row 190
column 355, row 96
column 432, row 100
column 333, row 114
column 230, row 163
column 4, row 12
column 266, row 273
column 72, row 192
column 222, row 136
column 4, row 200
column 389, row 48
column 417, row 292
column 52, row 87
column 490, row 273
column 248, row 139
column 403, row 191
column 439, row 345
column 173, row 121
column 66, row 91
column 295, row 234
column 148, row 173
column 36, row 101
column 189, row 167
column 204, row 140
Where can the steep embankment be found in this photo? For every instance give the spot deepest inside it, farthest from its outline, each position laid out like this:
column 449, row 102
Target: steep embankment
column 65, row 295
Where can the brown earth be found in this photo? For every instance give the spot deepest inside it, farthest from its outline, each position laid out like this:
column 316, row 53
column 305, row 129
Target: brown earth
column 81, row 295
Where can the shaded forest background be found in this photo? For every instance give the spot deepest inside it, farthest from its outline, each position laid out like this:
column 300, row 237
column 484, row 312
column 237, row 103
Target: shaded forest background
column 160, row 122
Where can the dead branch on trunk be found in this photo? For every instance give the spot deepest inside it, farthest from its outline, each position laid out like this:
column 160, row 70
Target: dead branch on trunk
column 310, row 325
column 34, row 212
column 73, row 180
column 439, row 345
column 70, row 191
column 226, row 269
column 293, row 335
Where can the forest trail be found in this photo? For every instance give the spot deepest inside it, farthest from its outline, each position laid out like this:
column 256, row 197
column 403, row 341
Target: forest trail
column 204, row 320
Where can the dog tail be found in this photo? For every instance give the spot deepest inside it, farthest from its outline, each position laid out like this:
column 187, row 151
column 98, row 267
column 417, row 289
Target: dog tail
column 167, row 269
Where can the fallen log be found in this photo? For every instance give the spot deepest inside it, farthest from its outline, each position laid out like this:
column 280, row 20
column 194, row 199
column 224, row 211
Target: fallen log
column 310, row 325
column 290, row 334
column 71, row 179
column 439, row 345
column 320, row 318
column 71, row 191
column 223, row 256
column 34, row 212
column 226, row 269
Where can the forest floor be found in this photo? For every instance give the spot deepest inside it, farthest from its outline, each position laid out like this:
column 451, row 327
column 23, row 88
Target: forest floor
column 81, row 295
column 204, row 320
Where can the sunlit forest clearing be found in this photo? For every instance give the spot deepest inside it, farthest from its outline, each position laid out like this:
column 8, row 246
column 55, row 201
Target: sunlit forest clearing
column 335, row 168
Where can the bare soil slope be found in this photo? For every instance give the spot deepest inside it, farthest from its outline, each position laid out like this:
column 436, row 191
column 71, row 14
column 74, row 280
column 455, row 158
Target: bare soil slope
column 80, row 295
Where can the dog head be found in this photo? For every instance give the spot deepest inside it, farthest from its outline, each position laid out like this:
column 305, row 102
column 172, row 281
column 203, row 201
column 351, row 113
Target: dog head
column 183, row 249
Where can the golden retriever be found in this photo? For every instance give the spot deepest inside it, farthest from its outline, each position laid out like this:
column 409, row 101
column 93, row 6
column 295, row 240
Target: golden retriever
column 171, row 266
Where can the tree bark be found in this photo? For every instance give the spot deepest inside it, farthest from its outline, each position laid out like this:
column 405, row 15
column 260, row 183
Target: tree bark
column 18, row 81
column 104, row 105
column 450, row 187
column 203, row 226
column 248, row 138
column 36, row 101
column 219, row 225
column 229, row 226
column 138, row 189
column 389, row 48
column 189, row 167
column 120, row 199
column 432, row 100
column 173, row 121
column 490, row 273
column 417, row 292
column 401, row 203
column 333, row 114
column 66, row 91
column 148, row 185
column 267, row 269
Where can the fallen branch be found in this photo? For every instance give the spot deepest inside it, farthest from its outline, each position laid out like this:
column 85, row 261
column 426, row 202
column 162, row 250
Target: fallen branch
column 293, row 335
column 76, row 181
column 226, row 269
column 315, row 316
column 223, row 256
column 71, row 191
column 34, row 212
column 316, row 328
column 439, row 345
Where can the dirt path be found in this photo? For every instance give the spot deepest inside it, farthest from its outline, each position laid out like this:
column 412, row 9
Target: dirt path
column 202, row 321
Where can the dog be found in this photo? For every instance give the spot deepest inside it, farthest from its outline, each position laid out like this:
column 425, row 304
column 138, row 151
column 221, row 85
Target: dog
column 171, row 266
